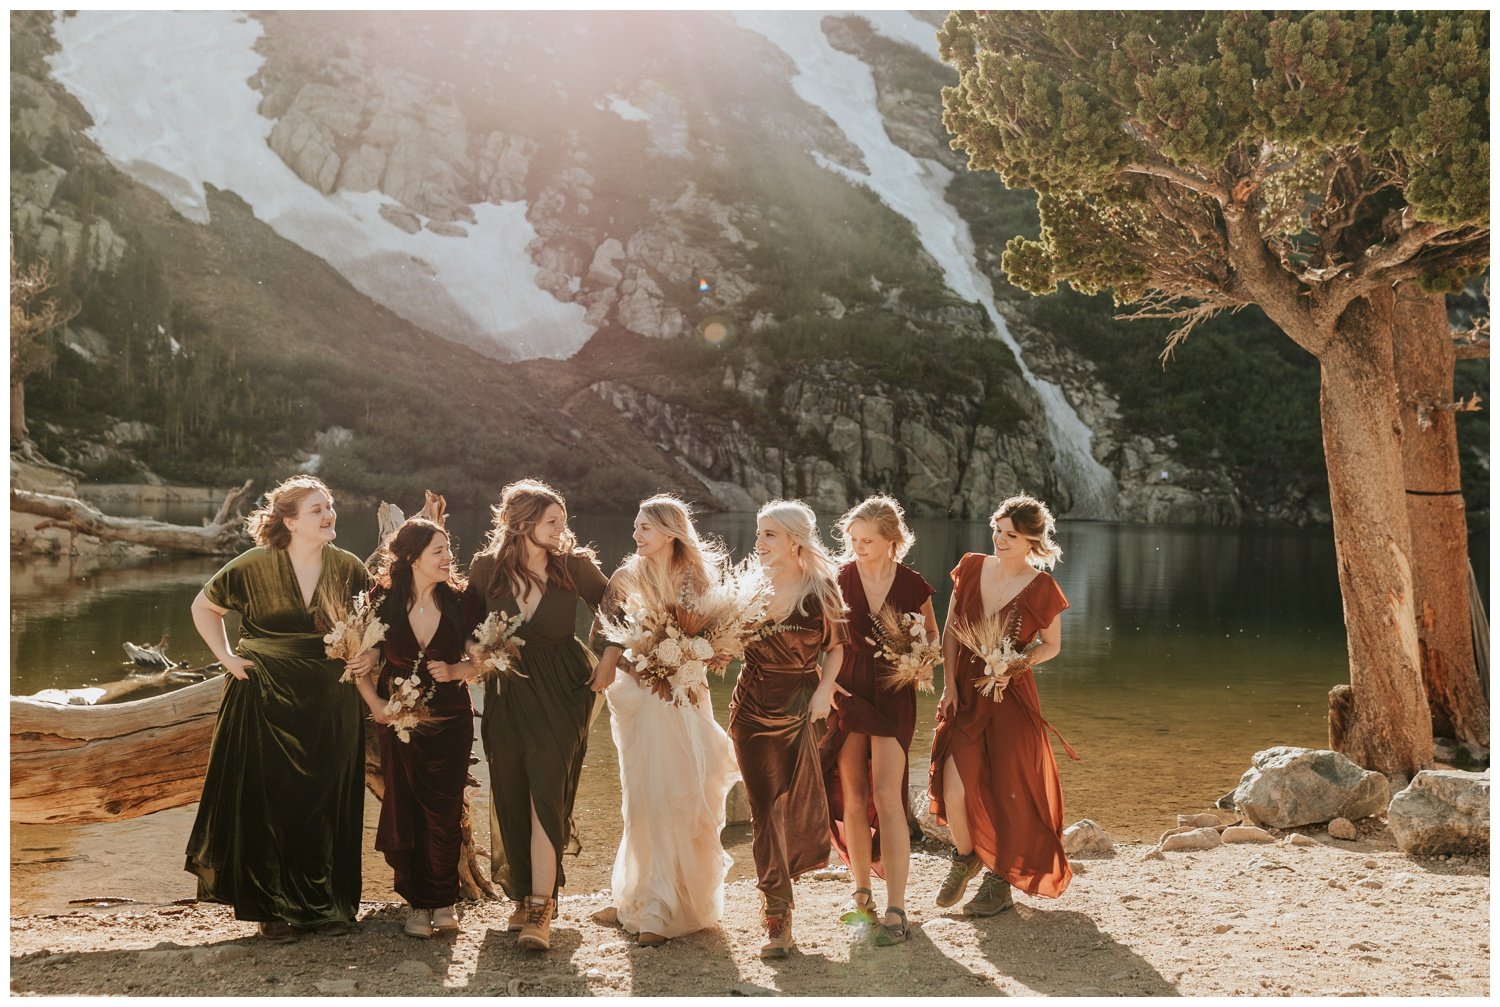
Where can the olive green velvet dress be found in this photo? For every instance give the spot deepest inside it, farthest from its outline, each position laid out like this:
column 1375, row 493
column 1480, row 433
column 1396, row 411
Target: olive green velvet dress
column 535, row 729
column 280, row 823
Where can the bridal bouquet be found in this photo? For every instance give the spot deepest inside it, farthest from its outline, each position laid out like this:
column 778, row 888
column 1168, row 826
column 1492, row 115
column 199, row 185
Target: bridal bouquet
column 675, row 647
column 355, row 630
column 992, row 641
column 901, row 640
column 496, row 647
column 408, row 708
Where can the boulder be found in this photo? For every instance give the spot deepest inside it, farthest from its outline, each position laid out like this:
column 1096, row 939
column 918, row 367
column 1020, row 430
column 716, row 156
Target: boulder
column 1342, row 828
column 737, row 805
column 921, row 809
column 1198, row 839
column 1204, row 821
column 1086, row 839
column 602, row 271
column 1287, row 786
column 1442, row 811
column 1246, row 834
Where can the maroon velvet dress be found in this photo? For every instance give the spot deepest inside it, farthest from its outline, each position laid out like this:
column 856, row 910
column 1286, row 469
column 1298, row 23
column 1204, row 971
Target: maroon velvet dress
column 1012, row 792
column 776, row 746
column 420, row 832
column 870, row 708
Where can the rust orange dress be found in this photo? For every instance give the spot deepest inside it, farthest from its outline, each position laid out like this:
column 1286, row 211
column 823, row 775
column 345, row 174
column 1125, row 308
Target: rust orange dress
column 870, row 708
column 1011, row 788
column 777, row 749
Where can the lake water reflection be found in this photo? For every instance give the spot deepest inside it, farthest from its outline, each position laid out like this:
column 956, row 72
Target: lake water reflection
column 1186, row 650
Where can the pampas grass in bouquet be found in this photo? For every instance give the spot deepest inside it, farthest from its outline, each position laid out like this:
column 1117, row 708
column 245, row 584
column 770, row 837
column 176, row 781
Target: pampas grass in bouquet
column 901, row 641
column 355, row 630
column 495, row 649
column 728, row 613
column 993, row 641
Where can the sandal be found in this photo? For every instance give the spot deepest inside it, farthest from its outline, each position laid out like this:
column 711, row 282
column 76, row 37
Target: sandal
column 858, row 913
column 893, row 934
column 278, row 932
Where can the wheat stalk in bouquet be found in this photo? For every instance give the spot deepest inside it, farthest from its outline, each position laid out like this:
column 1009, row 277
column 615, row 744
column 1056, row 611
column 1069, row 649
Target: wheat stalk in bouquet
column 901, row 640
column 992, row 640
column 495, row 648
column 408, row 708
column 355, row 630
column 729, row 614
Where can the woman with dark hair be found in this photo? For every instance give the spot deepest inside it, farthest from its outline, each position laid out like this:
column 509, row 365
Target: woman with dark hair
column 429, row 616
column 535, row 724
column 277, row 834
column 993, row 778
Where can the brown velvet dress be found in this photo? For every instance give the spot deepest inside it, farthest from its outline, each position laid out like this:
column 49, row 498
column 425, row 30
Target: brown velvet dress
column 776, row 745
column 420, row 829
column 1011, row 788
column 535, row 729
column 870, row 708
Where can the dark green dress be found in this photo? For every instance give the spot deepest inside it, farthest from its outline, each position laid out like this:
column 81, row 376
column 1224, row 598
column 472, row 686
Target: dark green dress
column 535, row 729
column 279, row 827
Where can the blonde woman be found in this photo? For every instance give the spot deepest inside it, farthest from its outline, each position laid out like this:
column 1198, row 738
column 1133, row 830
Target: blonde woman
column 864, row 752
column 279, row 825
column 788, row 684
column 993, row 777
column 535, row 725
column 676, row 762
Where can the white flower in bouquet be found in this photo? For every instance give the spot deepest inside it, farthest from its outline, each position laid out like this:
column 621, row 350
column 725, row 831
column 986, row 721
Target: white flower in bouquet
column 669, row 652
column 992, row 641
column 495, row 648
column 901, row 640
column 356, row 629
column 408, row 709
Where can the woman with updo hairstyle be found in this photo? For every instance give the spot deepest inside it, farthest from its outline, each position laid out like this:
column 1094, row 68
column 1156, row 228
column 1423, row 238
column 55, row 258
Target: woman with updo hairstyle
column 429, row 616
column 864, row 751
column 787, row 684
column 535, row 723
column 993, row 778
column 676, row 762
column 278, row 829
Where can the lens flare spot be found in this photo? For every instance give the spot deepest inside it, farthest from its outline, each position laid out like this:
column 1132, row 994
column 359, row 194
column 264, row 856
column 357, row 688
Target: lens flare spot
column 715, row 333
column 704, row 285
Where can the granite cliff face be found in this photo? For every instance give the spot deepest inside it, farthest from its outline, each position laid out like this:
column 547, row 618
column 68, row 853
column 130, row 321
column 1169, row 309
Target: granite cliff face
column 702, row 211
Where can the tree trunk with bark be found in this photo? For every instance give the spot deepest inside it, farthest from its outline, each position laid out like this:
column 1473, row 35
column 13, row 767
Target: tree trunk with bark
column 1424, row 357
column 19, row 432
column 1388, row 727
column 224, row 535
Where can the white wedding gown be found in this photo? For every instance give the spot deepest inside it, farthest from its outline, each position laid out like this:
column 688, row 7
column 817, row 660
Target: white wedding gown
column 676, row 768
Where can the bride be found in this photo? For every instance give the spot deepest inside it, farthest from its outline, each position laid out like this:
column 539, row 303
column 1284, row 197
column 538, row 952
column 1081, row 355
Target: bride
column 676, row 762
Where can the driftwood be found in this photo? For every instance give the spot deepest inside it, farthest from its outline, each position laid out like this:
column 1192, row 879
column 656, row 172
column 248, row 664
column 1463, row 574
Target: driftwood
column 223, row 535
column 108, row 762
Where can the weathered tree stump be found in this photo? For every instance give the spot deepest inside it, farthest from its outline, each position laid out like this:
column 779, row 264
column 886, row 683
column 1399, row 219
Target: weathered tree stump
column 223, row 535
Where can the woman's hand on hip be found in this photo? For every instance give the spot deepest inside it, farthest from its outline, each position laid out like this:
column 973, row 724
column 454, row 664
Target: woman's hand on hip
column 238, row 666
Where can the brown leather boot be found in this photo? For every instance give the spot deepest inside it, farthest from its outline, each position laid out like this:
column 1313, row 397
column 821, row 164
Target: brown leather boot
column 518, row 918
column 960, row 873
column 993, row 897
column 536, row 935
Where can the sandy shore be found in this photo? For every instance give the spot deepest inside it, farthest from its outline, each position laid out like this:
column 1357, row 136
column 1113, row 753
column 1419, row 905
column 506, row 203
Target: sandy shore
column 1335, row 918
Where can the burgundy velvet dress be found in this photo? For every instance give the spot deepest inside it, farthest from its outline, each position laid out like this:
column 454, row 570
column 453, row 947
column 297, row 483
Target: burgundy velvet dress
column 420, row 831
column 777, row 749
column 870, row 708
column 1012, row 792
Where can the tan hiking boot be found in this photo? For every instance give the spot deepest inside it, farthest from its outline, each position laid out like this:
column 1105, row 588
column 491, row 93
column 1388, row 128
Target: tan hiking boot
column 993, row 897
column 536, row 935
column 444, row 919
column 517, row 919
column 418, row 923
column 778, row 935
column 959, row 875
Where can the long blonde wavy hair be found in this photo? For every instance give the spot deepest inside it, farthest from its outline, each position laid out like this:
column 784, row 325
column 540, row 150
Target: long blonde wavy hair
column 694, row 562
column 819, row 570
column 521, row 508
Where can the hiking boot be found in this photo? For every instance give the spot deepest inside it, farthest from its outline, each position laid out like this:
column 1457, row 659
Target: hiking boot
column 418, row 923
column 965, row 866
column 517, row 918
column 444, row 919
column 778, row 935
column 536, row 935
column 993, row 897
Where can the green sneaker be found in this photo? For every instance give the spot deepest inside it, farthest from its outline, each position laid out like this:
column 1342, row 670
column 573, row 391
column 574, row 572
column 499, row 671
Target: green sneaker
column 959, row 875
column 993, row 897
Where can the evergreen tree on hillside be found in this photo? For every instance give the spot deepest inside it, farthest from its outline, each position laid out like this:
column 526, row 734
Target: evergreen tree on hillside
column 1331, row 168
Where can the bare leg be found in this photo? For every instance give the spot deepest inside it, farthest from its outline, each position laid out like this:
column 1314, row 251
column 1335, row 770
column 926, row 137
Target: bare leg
column 543, row 859
column 854, row 776
column 958, row 812
column 889, row 766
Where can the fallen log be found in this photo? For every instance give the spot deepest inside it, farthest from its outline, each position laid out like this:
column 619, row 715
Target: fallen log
column 77, row 765
column 223, row 535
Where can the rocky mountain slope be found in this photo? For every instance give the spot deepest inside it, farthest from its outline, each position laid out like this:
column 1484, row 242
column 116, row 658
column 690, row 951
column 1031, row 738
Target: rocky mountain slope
column 764, row 325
